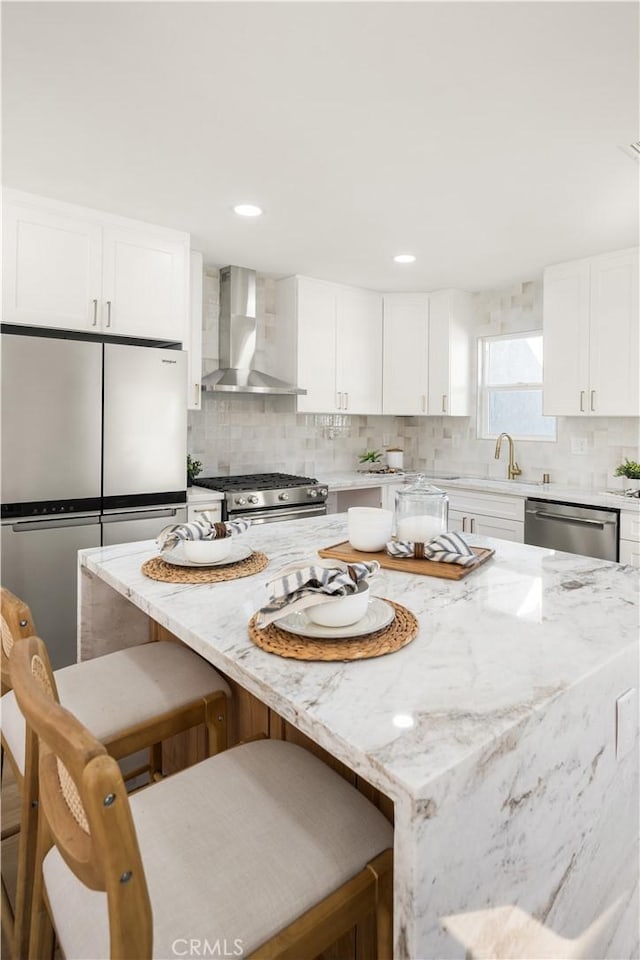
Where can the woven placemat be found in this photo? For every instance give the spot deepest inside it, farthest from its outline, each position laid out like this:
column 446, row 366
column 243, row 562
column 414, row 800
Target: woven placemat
column 401, row 631
column 159, row 569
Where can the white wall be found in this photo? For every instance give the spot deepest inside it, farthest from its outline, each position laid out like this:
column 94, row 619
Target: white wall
column 241, row 434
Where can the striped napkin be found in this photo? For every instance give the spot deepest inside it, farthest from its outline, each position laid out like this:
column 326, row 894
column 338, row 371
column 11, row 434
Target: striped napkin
column 446, row 547
column 203, row 529
column 297, row 587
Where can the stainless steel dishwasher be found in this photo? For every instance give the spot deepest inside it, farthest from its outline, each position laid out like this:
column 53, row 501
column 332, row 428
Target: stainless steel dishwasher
column 589, row 531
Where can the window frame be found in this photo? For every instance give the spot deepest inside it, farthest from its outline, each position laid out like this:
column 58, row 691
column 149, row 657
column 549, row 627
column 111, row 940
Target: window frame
column 484, row 388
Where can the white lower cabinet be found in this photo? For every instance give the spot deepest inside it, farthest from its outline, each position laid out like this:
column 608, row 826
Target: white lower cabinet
column 630, row 539
column 489, row 516
column 196, row 508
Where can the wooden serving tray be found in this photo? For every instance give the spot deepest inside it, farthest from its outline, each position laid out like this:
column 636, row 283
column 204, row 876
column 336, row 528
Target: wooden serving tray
column 430, row 568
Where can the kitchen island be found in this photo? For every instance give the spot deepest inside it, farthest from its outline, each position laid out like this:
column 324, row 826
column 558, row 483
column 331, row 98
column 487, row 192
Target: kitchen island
column 494, row 734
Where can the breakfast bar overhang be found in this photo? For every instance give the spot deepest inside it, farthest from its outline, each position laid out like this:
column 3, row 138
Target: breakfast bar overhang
column 496, row 733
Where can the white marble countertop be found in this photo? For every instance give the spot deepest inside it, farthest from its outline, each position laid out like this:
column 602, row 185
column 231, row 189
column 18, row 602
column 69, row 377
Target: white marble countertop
column 493, row 732
column 196, row 494
column 547, row 491
column 493, row 647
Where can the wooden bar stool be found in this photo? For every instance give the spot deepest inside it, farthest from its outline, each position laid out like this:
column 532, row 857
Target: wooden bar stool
column 262, row 847
column 130, row 700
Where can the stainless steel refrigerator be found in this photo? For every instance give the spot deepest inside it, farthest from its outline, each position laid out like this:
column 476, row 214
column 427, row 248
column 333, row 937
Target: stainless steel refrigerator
column 94, row 438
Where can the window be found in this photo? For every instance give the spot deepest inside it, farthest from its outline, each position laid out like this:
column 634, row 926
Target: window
column 510, row 388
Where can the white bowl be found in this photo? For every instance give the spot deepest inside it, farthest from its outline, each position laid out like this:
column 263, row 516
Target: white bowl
column 369, row 528
column 207, row 551
column 342, row 611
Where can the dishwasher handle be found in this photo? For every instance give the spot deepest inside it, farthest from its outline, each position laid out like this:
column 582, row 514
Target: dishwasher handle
column 565, row 518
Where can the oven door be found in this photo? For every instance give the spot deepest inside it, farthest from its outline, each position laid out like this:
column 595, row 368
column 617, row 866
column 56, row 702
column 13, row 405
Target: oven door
column 271, row 515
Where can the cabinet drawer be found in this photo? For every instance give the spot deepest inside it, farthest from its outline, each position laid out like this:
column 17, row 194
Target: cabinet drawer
column 630, row 526
column 214, row 509
column 510, row 508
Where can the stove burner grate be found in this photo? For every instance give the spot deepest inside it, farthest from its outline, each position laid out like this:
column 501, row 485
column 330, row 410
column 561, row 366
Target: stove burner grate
column 254, row 481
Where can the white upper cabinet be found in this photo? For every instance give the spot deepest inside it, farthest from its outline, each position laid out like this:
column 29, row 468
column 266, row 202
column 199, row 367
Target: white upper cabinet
column 426, row 353
column 339, row 348
column 450, row 319
column 73, row 268
column 359, row 350
column 406, row 353
column 52, row 267
column 591, row 341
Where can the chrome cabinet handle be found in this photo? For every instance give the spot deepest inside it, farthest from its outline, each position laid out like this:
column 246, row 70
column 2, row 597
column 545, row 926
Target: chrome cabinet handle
column 472, row 523
column 423, row 402
column 95, row 313
column 196, row 393
column 346, row 401
column 582, row 401
column 108, row 313
column 339, row 400
column 464, row 521
column 444, row 403
column 593, row 401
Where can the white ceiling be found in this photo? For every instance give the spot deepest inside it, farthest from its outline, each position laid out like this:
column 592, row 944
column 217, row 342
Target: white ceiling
column 482, row 137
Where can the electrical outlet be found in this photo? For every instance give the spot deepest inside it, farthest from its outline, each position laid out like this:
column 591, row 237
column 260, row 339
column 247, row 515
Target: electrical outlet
column 579, row 445
column 626, row 722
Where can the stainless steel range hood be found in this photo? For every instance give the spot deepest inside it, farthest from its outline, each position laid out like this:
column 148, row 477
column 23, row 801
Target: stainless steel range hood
column 237, row 340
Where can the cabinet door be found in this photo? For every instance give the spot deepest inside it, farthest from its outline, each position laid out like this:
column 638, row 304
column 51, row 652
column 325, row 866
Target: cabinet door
column 613, row 363
column 405, row 354
column 630, row 552
column 317, row 346
column 194, row 342
column 51, row 267
column 449, row 371
column 566, row 339
column 145, row 276
column 359, row 351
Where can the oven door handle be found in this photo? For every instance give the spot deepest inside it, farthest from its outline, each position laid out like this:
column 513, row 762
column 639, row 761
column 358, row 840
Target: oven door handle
column 279, row 513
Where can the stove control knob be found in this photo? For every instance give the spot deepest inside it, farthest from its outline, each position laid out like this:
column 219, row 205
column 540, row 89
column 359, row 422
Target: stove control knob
column 240, row 501
column 253, row 499
column 283, row 496
column 324, row 492
column 313, row 493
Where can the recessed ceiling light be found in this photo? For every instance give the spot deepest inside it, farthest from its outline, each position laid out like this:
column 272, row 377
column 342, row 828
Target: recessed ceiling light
column 404, row 258
column 247, row 210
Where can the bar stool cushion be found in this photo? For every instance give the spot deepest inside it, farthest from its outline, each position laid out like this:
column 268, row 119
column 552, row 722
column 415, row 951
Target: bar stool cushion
column 121, row 689
column 234, row 848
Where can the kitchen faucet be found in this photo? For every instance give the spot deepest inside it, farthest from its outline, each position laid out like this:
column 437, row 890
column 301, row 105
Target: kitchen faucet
column 514, row 469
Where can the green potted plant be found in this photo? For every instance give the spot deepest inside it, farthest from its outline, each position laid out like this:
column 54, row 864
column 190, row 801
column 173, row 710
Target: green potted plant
column 194, row 467
column 370, row 456
column 631, row 471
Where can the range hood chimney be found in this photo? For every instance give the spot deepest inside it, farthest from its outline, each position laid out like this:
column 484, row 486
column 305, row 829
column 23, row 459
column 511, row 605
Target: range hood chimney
column 237, row 339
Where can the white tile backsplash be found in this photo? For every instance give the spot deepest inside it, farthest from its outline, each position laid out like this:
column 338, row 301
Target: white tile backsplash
column 245, row 433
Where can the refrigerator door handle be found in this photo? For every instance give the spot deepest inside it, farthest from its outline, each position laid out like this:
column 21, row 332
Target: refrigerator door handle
column 26, row 526
column 139, row 515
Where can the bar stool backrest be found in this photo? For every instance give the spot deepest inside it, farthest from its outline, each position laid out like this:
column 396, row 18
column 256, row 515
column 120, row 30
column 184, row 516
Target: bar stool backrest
column 84, row 803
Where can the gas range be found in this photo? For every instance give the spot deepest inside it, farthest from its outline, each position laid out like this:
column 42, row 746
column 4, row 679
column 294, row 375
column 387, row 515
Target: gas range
column 265, row 497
